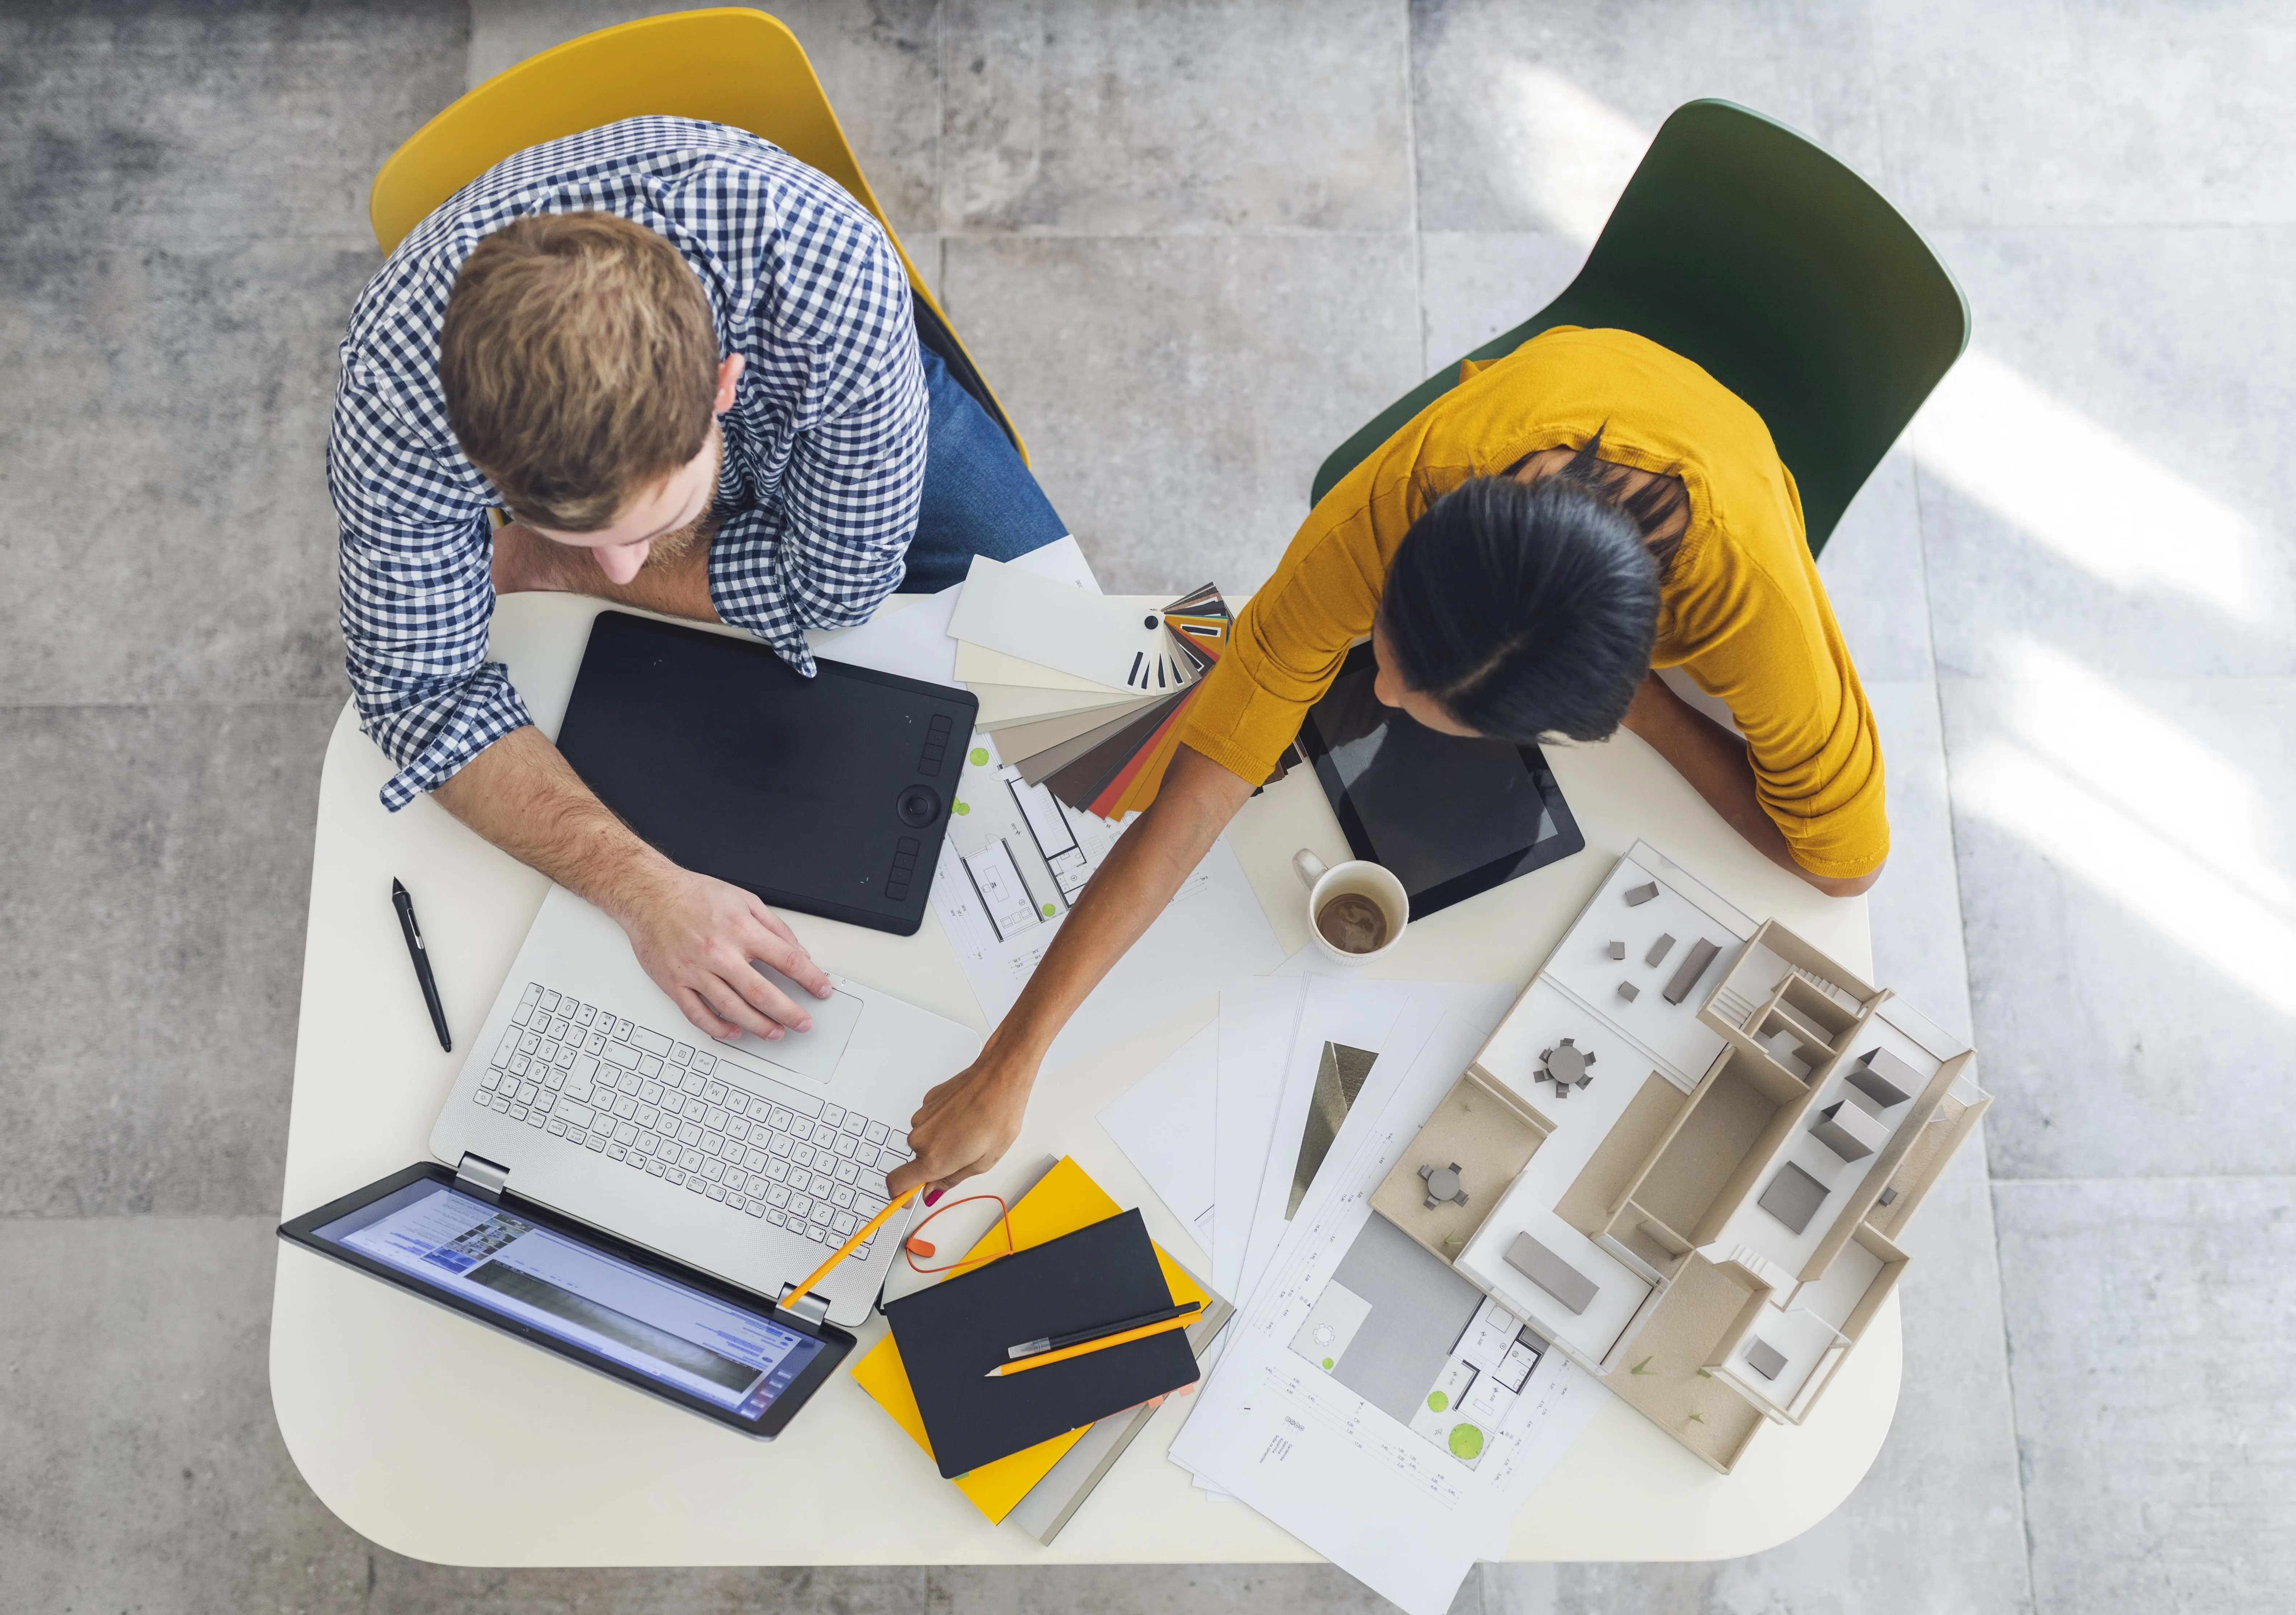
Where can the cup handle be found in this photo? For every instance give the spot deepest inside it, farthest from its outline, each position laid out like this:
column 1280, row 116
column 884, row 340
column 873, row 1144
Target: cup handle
column 1308, row 868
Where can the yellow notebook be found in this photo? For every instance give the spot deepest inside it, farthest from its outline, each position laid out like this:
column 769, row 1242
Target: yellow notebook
column 1063, row 1201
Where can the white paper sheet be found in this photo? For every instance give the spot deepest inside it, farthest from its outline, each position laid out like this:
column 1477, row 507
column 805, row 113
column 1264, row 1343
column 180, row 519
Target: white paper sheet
column 910, row 639
column 1355, row 1014
column 1256, row 1023
column 1109, row 639
column 909, row 634
column 1378, row 1497
column 1164, row 1125
column 1210, row 933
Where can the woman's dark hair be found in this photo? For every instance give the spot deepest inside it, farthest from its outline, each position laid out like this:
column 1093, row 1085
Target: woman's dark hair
column 1527, row 610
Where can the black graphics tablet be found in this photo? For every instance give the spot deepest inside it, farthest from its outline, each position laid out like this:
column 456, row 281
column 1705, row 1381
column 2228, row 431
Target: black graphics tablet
column 828, row 795
column 1449, row 817
column 709, row 1346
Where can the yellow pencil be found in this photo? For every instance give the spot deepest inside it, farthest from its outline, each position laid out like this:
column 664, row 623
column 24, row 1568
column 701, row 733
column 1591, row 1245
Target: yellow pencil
column 852, row 1244
column 1066, row 1352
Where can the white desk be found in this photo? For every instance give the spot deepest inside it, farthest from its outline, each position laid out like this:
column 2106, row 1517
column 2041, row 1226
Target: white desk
column 448, row 1442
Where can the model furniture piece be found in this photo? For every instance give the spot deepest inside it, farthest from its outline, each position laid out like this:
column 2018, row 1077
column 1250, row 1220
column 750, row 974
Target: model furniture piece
column 1442, row 1184
column 1565, row 1066
column 1550, row 1272
column 1713, row 1240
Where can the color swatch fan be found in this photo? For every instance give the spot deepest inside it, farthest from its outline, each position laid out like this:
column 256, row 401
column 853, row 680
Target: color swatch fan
column 1083, row 693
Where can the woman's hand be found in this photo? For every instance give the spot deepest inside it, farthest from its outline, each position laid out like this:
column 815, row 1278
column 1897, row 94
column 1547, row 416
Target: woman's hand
column 966, row 1125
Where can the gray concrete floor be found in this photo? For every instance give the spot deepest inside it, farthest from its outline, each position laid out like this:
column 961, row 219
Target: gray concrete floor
column 1195, row 245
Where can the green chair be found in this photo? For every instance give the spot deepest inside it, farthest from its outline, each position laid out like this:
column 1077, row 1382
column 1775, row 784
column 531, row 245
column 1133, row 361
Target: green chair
column 1742, row 246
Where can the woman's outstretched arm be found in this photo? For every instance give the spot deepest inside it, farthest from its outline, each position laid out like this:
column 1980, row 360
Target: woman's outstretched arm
column 967, row 1123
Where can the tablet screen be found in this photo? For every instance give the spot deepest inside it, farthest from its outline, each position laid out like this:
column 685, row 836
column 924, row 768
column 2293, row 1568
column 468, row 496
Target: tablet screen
column 1449, row 817
column 679, row 1337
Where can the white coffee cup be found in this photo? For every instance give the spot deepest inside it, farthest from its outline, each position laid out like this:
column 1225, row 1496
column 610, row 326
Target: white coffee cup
column 1354, row 877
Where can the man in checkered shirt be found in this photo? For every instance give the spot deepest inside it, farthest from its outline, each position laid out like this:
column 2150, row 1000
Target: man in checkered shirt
column 685, row 368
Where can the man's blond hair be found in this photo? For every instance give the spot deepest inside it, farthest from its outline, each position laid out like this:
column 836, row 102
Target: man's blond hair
column 579, row 364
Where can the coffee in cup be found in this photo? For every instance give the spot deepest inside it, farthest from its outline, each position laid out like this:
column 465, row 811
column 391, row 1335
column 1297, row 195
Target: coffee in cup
column 1353, row 923
column 1358, row 910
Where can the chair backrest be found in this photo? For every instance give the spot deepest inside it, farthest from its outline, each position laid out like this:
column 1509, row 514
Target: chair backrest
column 728, row 65
column 1744, row 246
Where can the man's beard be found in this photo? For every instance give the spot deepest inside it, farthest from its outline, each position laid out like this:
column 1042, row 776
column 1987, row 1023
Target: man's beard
column 671, row 547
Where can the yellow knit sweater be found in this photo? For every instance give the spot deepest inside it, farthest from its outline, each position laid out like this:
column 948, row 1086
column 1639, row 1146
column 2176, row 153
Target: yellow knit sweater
column 1743, row 610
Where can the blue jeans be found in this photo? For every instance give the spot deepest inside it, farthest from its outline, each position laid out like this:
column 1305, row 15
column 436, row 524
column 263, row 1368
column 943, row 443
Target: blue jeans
column 980, row 498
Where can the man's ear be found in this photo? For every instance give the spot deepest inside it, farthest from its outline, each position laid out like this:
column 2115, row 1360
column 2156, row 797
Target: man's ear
column 729, row 376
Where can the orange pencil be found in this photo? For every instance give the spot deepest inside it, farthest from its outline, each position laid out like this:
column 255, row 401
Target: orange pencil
column 852, row 1244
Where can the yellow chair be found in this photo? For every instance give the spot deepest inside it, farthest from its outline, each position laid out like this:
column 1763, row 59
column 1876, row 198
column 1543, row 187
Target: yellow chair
column 726, row 65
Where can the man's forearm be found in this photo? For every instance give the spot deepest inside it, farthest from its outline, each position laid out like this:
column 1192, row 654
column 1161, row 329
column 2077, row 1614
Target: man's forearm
column 521, row 794
column 677, row 585
column 1130, row 889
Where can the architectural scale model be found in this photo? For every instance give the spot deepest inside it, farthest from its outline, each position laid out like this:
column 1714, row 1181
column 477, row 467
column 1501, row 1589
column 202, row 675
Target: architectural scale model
column 1711, row 1225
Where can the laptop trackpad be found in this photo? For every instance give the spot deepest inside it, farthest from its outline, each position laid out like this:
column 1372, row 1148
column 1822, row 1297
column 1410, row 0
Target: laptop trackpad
column 813, row 1053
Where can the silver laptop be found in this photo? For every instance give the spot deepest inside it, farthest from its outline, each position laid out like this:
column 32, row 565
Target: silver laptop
column 589, row 1092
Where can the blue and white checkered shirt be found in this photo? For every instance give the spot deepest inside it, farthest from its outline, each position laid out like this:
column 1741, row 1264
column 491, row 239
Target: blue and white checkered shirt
column 824, row 444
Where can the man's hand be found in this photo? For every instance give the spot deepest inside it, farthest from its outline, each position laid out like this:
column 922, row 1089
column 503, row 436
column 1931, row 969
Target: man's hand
column 696, row 935
column 966, row 1125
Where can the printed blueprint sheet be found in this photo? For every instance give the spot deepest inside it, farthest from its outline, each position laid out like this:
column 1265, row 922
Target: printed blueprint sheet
column 1016, row 858
column 1370, row 1400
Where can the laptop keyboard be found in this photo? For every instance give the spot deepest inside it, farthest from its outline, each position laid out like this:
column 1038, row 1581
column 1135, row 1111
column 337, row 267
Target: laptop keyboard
column 755, row 1146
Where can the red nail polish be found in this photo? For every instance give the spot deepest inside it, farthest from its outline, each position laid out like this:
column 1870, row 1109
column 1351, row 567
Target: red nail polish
column 932, row 1196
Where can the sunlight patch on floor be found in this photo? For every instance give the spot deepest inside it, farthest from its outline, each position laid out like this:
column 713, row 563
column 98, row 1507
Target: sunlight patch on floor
column 2083, row 493
column 1564, row 154
column 2062, row 774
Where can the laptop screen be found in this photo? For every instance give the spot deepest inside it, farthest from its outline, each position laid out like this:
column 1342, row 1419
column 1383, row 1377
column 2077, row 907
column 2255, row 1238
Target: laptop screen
column 678, row 1336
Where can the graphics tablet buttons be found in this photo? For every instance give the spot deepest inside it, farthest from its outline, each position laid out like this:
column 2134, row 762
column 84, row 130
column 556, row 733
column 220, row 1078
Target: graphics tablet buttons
column 918, row 807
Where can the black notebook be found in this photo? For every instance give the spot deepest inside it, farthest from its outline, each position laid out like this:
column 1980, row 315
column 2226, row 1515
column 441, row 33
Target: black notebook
column 954, row 1333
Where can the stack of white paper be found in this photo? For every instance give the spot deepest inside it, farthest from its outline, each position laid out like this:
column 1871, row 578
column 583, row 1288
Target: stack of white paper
column 1367, row 1398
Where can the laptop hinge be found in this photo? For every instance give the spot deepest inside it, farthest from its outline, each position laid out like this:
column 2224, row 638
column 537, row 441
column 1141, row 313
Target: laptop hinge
column 477, row 1175
column 812, row 1308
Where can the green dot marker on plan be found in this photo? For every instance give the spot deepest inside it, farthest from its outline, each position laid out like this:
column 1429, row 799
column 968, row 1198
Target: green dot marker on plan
column 1436, row 1401
column 980, row 756
column 962, row 808
column 1466, row 1442
column 1327, row 1361
column 1048, row 911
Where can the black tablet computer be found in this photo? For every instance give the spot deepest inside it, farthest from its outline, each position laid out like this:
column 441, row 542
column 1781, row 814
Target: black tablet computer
column 1449, row 817
column 711, row 1347
column 828, row 795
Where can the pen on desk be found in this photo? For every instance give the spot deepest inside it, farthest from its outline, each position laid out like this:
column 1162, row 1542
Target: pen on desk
column 415, row 951
column 1177, row 1317
column 1055, row 1342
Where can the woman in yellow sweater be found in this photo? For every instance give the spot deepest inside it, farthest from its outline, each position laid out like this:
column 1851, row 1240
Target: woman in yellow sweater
column 1524, row 554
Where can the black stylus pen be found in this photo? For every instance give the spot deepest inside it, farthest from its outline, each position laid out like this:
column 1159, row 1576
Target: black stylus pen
column 415, row 951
